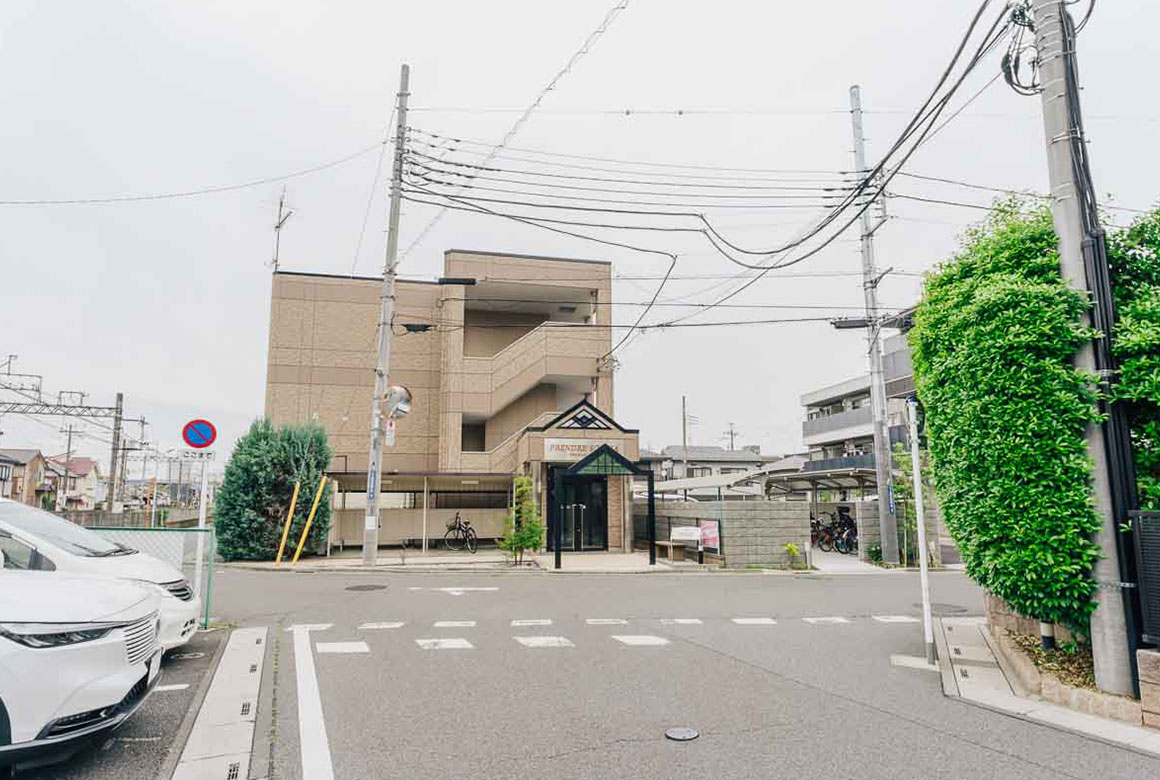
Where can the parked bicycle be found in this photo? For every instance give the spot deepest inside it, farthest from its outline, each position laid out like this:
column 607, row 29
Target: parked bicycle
column 460, row 534
column 846, row 532
column 822, row 531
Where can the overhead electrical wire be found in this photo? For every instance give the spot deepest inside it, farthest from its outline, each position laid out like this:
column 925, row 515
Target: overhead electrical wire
column 584, row 49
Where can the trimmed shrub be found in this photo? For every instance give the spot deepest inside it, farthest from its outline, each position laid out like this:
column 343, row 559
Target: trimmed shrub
column 1006, row 411
column 251, row 505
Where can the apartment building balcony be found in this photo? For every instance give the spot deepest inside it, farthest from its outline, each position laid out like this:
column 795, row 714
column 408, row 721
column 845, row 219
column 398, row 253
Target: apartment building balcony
column 838, row 427
column 560, row 353
column 848, row 462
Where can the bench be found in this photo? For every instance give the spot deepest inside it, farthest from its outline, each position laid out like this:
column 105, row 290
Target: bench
column 678, row 536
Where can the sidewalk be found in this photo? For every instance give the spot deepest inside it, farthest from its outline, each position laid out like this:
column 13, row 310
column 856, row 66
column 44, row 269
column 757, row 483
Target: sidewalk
column 388, row 560
column 971, row 671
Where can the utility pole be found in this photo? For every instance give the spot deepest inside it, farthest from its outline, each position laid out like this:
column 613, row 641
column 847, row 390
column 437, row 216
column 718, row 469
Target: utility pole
column 386, row 317
column 684, row 439
column 111, row 499
column 62, row 488
column 283, row 215
column 887, row 521
column 732, row 435
column 919, row 513
column 1083, row 264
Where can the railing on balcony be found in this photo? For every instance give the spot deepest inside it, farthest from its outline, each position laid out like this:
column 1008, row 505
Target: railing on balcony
column 835, row 422
column 849, row 462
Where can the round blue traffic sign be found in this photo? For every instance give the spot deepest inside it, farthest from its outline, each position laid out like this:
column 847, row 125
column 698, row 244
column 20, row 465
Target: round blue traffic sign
column 199, row 433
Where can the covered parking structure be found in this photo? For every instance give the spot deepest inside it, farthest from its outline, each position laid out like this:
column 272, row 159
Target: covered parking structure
column 843, row 480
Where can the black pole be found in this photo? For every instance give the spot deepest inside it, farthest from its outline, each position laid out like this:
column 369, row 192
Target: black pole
column 652, row 523
column 557, row 531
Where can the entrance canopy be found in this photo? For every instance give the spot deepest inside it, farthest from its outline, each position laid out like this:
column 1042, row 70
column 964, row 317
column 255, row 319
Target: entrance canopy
column 607, row 461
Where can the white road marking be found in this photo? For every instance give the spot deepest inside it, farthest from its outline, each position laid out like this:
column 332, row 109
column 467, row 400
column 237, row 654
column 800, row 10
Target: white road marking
column 447, row 643
column 606, row 622
column 755, row 621
column 341, row 647
column 309, row 627
column 826, row 621
column 912, row 662
column 544, row 641
column 895, row 619
column 315, row 747
column 681, row 621
column 454, row 624
column 532, row 622
column 173, row 687
column 640, row 640
column 376, row 626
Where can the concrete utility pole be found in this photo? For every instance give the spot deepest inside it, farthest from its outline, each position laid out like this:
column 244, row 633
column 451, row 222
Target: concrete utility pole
column 887, row 522
column 386, row 316
column 923, row 553
column 732, row 435
column 684, row 440
column 111, row 499
column 1110, row 629
column 62, row 488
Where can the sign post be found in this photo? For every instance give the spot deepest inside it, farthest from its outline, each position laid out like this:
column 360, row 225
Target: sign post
column 200, row 434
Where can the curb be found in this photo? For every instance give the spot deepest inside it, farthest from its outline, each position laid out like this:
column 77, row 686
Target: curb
column 169, row 765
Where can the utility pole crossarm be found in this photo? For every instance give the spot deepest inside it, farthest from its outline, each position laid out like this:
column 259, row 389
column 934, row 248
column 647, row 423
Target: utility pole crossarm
column 73, row 410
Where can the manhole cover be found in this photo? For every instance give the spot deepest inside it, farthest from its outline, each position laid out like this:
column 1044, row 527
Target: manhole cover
column 366, row 587
column 682, row 734
column 944, row 609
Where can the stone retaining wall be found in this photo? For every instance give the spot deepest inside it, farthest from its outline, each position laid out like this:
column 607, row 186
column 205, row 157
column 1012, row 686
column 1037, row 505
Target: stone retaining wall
column 753, row 533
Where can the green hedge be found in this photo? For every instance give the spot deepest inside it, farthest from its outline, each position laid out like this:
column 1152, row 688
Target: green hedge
column 993, row 343
column 1134, row 256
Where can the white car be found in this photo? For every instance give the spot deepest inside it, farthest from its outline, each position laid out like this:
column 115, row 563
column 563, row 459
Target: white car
column 36, row 540
column 78, row 655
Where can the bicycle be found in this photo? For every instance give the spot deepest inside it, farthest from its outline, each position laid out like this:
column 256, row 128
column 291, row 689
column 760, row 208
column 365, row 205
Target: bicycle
column 460, row 534
column 822, row 531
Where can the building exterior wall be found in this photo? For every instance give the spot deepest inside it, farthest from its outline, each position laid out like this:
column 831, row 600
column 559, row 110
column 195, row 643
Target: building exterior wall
column 479, row 378
column 753, row 533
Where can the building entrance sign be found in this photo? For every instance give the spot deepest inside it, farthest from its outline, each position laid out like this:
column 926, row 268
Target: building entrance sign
column 572, row 450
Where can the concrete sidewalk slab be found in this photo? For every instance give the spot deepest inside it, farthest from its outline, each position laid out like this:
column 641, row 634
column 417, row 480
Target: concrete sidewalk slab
column 972, row 672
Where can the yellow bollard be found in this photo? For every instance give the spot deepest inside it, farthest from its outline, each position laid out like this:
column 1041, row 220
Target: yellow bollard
column 309, row 519
column 289, row 520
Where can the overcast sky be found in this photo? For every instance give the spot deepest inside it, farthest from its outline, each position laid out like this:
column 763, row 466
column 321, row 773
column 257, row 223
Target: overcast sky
column 168, row 300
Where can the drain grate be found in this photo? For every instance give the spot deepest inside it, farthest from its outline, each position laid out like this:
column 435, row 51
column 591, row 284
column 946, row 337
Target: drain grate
column 365, row 587
column 253, row 668
column 233, row 770
column 245, row 708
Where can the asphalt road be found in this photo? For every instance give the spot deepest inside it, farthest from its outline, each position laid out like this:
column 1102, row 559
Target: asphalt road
column 139, row 748
column 784, row 698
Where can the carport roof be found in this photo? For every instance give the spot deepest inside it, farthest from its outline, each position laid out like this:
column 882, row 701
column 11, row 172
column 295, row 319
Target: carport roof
column 830, row 479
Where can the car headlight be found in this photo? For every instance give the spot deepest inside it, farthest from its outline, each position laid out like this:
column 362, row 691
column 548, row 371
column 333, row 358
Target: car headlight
column 40, row 635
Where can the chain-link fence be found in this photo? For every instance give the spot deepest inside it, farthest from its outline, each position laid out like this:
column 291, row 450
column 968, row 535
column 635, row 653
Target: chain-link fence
column 190, row 550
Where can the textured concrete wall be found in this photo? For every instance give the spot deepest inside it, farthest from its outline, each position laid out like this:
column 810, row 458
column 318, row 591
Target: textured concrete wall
column 753, row 533
column 487, row 332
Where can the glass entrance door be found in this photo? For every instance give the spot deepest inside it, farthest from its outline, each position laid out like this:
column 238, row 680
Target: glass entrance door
column 584, row 514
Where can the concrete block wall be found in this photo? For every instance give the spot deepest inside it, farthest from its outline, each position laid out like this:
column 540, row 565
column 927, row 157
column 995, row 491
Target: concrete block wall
column 1148, row 662
column 753, row 533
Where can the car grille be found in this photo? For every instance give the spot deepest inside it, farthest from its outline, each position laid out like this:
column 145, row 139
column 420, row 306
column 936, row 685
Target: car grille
column 84, row 720
column 179, row 589
column 141, row 638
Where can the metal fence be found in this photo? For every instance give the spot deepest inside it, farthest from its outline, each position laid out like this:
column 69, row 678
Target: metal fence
column 190, row 550
column 101, row 518
column 1146, row 527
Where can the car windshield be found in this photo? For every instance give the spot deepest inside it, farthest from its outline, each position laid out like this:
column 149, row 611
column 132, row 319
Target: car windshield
column 59, row 532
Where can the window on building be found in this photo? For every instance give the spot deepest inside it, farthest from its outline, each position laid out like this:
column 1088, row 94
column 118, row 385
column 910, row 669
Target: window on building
column 700, row 471
column 733, row 471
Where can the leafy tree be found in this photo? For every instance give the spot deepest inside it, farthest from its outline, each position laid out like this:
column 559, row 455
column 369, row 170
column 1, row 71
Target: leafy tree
column 522, row 529
column 251, row 505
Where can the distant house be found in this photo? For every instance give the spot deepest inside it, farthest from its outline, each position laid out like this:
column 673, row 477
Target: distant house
column 6, row 465
column 695, row 461
column 85, row 487
column 28, row 480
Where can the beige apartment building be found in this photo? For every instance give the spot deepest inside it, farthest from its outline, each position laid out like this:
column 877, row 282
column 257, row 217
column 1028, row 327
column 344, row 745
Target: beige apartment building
column 509, row 379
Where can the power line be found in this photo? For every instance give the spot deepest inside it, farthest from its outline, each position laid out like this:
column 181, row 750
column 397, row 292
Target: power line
column 585, row 47
column 192, row 193
column 371, row 195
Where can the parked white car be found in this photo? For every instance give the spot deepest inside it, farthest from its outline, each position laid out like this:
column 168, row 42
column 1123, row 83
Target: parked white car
column 78, row 655
column 36, row 540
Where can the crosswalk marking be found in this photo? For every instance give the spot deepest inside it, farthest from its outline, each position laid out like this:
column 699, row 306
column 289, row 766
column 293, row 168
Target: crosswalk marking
column 376, row 626
column 681, row 621
column 640, row 640
column 829, row 621
column 895, row 619
column 341, row 647
column 544, row 641
column 454, row 624
column 532, row 622
column 755, row 621
column 606, row 622
column 445, row 643
column 173, row 687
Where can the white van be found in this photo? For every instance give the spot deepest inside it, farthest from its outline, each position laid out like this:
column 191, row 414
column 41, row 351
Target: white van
column 36, row 540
